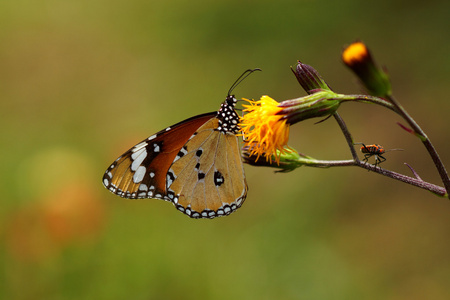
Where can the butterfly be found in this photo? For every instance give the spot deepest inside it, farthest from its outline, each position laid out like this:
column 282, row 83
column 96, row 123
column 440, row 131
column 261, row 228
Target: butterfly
column 195, row 164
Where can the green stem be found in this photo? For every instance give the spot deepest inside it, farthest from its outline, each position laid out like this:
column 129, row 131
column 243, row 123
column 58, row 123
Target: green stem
column 366, row 98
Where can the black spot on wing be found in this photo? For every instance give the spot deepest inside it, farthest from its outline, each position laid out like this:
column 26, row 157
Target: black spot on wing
column 218, row 178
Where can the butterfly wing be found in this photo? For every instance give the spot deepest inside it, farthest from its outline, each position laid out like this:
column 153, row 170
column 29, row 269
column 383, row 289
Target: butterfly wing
column 207, row 179
column 141, row 171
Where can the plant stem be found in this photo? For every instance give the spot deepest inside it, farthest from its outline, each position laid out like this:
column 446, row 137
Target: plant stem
column 426, row 141
column 395, row 106
column 357, row 162
column 435, row 189
column 365, row 98
column 347, row 135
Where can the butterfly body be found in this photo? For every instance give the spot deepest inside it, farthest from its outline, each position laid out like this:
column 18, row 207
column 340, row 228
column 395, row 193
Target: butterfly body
column 195, row 164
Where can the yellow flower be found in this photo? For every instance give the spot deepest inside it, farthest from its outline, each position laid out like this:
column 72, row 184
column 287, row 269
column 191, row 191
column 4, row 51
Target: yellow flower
column 263, row 129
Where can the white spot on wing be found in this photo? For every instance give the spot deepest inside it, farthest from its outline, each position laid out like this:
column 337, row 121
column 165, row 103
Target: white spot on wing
column 138, row 158
column 137, row 153
column 143, row 187
column 139, row 175
column 105, row 182
column 139, row 146
column 169, row 181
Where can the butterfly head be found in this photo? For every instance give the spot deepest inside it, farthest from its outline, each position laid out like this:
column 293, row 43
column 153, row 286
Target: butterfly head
column 227, row 116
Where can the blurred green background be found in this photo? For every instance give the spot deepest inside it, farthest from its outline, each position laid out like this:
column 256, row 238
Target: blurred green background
column 83, row 81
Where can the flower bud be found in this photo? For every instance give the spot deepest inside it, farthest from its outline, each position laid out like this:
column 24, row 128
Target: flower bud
column 309, row 78
column 358, row 58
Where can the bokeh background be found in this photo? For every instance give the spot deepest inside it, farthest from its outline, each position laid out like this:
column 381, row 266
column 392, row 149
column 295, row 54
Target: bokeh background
column 83, row 81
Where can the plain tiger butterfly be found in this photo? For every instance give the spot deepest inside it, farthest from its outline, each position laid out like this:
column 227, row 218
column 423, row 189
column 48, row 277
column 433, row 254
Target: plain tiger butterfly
column 195, row 164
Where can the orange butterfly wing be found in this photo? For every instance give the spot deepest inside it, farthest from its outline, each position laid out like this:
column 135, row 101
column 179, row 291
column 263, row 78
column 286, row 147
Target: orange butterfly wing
column 141, row 171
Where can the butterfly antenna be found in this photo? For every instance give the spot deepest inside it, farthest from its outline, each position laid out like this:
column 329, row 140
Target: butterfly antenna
column 241, row 78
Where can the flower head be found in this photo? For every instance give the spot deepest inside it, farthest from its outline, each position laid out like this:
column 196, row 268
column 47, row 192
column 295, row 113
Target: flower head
column 265, row 124
column 358, row 58
column 263, row 129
